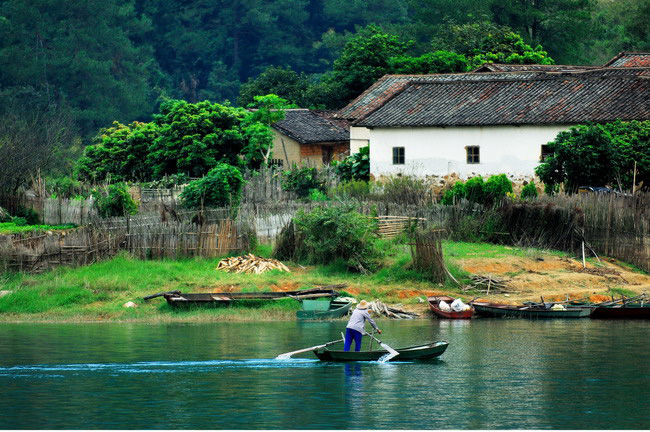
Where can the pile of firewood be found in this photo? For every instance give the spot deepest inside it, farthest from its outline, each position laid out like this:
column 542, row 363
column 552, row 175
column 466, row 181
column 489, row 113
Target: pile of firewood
column 250, row 264
column 391, row 312
column 488, row 284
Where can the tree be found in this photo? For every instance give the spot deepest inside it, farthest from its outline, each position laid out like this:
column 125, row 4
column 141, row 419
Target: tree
column 184, row 139
column 485, row 42
column 31, row 140
column 285, row 83
column 599, row 155
column 266, row 110
column 220, row 187
column 363, row 61
column 89, row 54
column 561, row 26
column 429, row 63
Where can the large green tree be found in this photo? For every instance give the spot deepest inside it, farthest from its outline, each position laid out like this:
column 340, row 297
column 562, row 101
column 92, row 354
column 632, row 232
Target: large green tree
column 599, row 155
column 89, row 54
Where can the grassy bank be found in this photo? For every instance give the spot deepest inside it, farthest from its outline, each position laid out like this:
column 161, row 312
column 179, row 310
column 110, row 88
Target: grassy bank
column 98, row 291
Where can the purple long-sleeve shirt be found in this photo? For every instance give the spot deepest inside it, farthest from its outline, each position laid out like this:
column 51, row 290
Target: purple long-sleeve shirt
column 358, row 319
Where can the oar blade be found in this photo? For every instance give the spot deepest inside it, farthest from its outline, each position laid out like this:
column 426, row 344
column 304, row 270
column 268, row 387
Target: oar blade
column 391, row 353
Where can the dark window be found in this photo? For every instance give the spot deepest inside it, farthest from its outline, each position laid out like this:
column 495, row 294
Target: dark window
column 473, row 155
column 277, row 162
column 398, row 155
column 546, row 152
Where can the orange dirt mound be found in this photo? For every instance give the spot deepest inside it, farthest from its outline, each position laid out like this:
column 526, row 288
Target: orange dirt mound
column 286, row 286
column 598, row 298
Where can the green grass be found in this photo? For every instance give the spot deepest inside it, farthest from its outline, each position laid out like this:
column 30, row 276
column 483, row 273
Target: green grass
column 12, row 228
column 98, row 291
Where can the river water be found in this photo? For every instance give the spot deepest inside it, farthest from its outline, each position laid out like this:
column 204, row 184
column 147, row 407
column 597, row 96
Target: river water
column 496, row 374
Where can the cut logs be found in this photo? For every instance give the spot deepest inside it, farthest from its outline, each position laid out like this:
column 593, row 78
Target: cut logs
column 391, row 312
column 250, row 264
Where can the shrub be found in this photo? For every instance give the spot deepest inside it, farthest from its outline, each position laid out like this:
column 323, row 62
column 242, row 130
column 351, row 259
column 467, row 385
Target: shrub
column 455, row 194
column 114, row 200
column 29, row 214
column 479, row 191
column 355, row 166
column 495, row 188
column 357, row 189
column 65, row 187
column 220, row 187
column 529, row 191
column 302, row 181
column 406, row 190
column 326, row 235
column 317, row 195
column 19, row 221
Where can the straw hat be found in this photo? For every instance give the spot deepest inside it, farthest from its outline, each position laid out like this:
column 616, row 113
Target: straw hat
column 362, row 305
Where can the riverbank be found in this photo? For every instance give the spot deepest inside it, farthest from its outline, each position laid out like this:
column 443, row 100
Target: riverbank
column 98, row 292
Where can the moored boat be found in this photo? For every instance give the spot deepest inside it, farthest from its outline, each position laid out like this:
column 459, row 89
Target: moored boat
column 324, row 309
column 622, row 311
column 434, row 305
column 180, row 299
column 418, row 352
column 530, row 311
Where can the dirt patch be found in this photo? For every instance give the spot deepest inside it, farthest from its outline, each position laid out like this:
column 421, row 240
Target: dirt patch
column 555, row 278
column 286, row 286
column 226, row 288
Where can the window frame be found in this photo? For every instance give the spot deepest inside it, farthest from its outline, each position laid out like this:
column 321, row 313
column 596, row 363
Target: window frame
column 473, row 155
column 396, row 155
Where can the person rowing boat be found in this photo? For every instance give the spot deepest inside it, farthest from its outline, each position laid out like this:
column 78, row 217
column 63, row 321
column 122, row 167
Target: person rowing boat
column 356, row 326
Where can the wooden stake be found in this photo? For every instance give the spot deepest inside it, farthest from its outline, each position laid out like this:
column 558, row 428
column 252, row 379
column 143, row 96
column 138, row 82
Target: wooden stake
column 584, row 264
column 634, row 179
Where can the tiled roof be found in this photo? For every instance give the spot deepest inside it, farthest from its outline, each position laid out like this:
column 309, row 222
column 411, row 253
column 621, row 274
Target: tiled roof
column 550, row 98
column 307, row 127
column 388, row 85
column 500, row 67
column 630, row 59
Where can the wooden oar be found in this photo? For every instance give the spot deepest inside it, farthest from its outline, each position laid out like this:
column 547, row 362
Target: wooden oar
column 391, row 352
column 288, row 355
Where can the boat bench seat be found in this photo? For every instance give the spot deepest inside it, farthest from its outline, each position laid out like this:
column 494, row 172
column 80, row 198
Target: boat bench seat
column 315, row 305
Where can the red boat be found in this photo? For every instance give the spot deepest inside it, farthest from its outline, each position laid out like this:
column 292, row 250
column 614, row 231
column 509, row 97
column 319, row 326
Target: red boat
column 433, row 305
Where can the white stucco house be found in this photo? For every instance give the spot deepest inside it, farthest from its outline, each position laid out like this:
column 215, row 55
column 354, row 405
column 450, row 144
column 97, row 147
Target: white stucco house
column 497, row 119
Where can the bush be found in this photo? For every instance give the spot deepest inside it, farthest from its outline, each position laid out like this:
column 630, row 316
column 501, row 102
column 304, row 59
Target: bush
column 302, row 181
column 317, row 195
column 495, row 188
column 221, row 187
column 455, row 194
column 19, row 221
column 326, row 235
column 355, row 166
column 529, row 191
column 29, row 214
column 356, row 189
column 114, row 200
column 65, row 187
column 406, row 190
column 479, row 191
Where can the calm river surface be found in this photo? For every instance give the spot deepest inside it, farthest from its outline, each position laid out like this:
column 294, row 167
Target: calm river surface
column 496, row 374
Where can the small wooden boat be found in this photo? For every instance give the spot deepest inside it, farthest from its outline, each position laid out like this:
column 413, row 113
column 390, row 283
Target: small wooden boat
column 323, row 309
column 622, row 311
column 531, row 311
column 418, row 352
column 179, row 299
column 434, row 306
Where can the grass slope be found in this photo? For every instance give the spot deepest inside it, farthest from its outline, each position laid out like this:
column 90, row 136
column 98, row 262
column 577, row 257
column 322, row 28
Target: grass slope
column 98, row 291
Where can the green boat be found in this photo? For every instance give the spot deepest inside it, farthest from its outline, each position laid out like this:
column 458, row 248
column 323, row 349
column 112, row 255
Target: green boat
column 533, row 311
column 323, row 309
column 418, row 352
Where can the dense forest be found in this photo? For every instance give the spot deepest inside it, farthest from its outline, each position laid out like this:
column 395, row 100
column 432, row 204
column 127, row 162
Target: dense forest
column 79, row 66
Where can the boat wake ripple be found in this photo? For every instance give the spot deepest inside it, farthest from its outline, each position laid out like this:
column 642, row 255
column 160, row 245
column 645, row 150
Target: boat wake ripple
column 60, row 370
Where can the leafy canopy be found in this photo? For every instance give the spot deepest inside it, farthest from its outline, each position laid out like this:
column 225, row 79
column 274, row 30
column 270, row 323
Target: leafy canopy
column 598, row 155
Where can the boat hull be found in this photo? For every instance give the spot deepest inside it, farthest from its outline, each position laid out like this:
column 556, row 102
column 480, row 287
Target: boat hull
column 622, row 312
column 433, row 305
column 419, row 352
column 503, row 311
